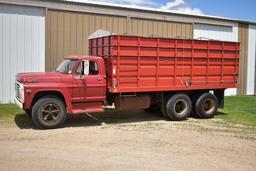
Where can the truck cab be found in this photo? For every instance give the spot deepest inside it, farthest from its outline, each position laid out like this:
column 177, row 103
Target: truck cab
column 78, row 85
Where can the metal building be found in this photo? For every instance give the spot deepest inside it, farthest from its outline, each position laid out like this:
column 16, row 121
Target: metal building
column 35, row 35
column 22, row 45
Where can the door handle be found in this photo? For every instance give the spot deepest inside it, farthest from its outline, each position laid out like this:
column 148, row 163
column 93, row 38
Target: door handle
column 99, row 78
column 78, row 78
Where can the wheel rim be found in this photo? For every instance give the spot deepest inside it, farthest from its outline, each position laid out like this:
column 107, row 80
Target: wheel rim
column 180, row 107
column 50, row 113
column 208, row 106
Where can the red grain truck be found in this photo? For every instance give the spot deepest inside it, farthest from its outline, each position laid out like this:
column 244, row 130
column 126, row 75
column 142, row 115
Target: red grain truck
column 171, row 76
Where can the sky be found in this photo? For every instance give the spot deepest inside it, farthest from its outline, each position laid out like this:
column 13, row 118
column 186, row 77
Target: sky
column 238, row 9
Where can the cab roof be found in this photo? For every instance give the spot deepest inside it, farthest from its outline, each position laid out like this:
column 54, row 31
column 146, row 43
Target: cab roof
column 82, row 57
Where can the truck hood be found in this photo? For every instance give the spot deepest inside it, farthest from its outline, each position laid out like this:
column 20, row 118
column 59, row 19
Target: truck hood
column 36, row 77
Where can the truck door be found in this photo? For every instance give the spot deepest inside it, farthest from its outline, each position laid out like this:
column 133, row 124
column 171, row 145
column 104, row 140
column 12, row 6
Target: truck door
column 95, row 89
column 89, row 83
column 79, row 84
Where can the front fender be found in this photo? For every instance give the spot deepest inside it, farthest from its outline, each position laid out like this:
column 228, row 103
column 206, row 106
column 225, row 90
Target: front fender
column 32, row 92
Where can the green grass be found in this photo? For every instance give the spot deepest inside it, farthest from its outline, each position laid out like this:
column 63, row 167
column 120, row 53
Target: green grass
column 239, row 109
column 8, row 112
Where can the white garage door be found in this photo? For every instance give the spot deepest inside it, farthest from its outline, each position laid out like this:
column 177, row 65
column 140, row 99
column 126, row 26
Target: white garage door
column 251, row 69
column 22, row 45
column 216, row 32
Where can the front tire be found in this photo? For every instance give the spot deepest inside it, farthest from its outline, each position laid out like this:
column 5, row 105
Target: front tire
column 178, row 107
column 49, row 113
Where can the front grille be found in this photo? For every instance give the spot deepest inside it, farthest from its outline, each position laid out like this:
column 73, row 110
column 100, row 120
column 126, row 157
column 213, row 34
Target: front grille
column 19, row 91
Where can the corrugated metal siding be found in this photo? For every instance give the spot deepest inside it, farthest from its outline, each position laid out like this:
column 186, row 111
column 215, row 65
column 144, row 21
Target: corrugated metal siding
column 251, row 61
column 67, row 32
column 217, row 32
column 118, row 10
column 155, row 28
column 22, row 45
column 243, row 39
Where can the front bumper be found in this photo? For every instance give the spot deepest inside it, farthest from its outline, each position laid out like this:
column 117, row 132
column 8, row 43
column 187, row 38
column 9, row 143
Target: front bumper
column 18, row 103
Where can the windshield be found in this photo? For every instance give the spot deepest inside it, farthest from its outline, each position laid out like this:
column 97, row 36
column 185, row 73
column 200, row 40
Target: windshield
column 66, row 66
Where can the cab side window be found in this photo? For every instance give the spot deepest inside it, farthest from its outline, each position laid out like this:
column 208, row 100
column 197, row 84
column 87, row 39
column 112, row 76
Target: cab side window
column 93, row 68
column 79, row 70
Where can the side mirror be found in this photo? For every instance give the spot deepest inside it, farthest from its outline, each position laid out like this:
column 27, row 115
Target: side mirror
column 86, row 67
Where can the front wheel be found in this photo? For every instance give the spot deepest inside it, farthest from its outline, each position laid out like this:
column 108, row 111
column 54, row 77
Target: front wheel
column 49, row 113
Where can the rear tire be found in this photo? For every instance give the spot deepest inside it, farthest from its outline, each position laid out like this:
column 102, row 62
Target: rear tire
column 49, row 113
column 206, row 106
column 178, row 107
column 163, row 107
column 194, row 99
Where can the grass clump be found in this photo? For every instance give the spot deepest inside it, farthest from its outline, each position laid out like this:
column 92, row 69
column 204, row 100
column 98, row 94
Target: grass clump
column 239, row 109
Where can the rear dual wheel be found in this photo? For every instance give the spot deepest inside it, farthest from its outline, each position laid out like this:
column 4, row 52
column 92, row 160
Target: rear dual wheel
column 177, row 107
column 206, row 106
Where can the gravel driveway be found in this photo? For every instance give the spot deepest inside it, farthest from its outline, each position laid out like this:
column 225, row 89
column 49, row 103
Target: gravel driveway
column 128, row 140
